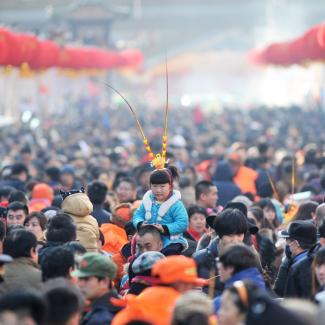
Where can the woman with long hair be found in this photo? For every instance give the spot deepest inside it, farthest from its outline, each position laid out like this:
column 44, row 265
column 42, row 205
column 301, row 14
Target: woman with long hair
column 319, row 271
column 306, row 211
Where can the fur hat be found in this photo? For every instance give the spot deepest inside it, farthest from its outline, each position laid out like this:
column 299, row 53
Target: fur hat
column 122, row 213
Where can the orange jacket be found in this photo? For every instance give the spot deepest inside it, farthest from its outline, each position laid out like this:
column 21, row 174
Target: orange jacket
column 119, row 259
column 245, row 179
column 115, row 237
column 154, row 305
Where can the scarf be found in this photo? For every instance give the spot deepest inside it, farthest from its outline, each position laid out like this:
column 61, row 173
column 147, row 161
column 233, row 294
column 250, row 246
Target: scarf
column 195, row 234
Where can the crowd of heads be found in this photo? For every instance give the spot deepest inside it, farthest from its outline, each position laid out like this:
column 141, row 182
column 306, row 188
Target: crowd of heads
column 255, row 231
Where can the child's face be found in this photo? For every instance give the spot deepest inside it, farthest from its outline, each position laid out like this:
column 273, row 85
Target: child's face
column 161, row 191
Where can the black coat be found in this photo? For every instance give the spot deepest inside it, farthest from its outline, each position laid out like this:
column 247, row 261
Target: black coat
column 192, row 244
column 206, row 260
column 137, row 288
column 280, row 282
column 101, row 215
column 102, row 311
column 299, row 284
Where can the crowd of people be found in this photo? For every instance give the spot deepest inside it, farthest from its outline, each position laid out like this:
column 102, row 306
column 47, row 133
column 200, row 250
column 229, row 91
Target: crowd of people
column 230, row 232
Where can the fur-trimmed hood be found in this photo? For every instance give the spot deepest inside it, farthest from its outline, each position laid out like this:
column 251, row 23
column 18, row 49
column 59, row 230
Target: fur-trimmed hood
column 120, row 220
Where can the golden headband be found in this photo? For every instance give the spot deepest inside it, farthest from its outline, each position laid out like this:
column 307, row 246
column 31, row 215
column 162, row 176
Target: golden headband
column 158, row 161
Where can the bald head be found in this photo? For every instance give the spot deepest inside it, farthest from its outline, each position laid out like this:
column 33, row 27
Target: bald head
column 320, row 215
column 149, row 239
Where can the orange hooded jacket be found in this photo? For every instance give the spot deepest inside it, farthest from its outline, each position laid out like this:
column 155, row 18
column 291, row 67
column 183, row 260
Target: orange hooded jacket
column 42, row 197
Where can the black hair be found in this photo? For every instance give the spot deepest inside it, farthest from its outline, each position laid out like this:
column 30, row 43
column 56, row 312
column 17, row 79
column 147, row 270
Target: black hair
column 318, row 260
column 305, row 245
column 18, row 196
column 18, row 168
column 249, row 195
column 267, row 203
column 64, row 301
column 61, row 228
column 6, row 190
column 185, row 181
column 53, row 173
column 322, row 181
column 2, row 230
column 164, row 176
column 57, row 201
column 57, row 262
column 26, row 149
column 25, row 302
column 251, row 289
column 15, row 206
column 149, row 230
column 310, row 156
column 203, row 187
column 238, row 256
column 97, row 192
column 129, row 228
column 14, row 227
column 196, row 209
column 146, row 167
column 131, row 181
column 321, row 230
column 229, row 222
column 19, row 243
column 41, row 217
column 96, row 171
column 75, row 247
column 309, row 187
column 101, row 278
column 101, row 237
column 305, row 210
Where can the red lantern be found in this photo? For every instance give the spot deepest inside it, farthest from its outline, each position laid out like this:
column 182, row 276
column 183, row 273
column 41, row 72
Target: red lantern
column 321, row 35
column 4, row 49
column 14, row 54
column 46, row 55
column 312, row 48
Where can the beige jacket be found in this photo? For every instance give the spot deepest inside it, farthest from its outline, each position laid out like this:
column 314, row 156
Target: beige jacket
column 78, row 206
column 22, row 272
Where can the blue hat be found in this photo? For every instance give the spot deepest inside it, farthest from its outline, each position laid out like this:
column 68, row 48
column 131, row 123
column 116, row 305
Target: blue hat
column 67, row 169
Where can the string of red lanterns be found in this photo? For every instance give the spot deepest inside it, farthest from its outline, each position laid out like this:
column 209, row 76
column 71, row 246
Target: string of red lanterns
column 309, row 47
column 19, row 49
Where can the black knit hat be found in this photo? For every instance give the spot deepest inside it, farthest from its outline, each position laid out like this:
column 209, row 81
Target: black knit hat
column 71, row 192
column 301, row 230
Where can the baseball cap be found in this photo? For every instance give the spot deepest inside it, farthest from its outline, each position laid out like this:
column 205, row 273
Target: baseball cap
column 176, row 268
column 94, row 264
column 300, row 230
column 146, row 261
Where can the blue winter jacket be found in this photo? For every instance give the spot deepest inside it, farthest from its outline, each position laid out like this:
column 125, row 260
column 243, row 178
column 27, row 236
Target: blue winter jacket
column 174, row 218
column 223, row 179
column 252, row 274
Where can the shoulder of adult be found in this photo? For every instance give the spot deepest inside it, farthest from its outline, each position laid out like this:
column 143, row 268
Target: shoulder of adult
column 199, row 256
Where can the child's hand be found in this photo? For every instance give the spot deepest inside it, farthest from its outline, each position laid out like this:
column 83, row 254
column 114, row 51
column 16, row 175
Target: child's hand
column 158, row 226
column 145, row 223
